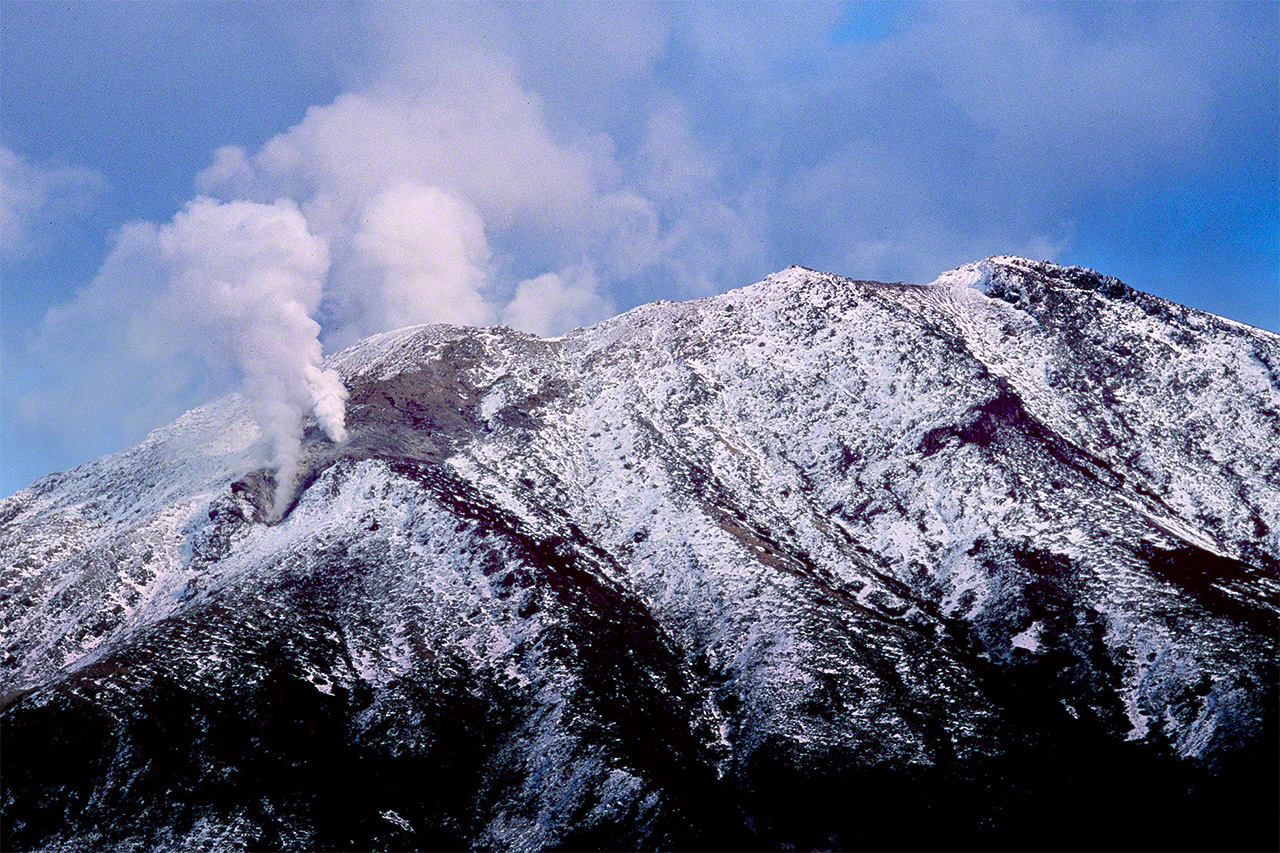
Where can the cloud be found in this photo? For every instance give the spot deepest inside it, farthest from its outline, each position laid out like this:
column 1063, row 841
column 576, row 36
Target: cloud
column 1056, row 91
column 99, row 389
column 673, row 165
column 455, row 155
column 244, row 280
column 439, row 192
column 224, row 290
column 680, row 230
column 31, row 196
column 543, row 166
column 961, row 131
column 554, row 303
column 591, row 64
column 427, row 260
column 470, row 130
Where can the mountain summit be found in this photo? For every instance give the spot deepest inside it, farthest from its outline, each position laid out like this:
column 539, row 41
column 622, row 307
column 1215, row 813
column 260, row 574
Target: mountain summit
column 992, row 562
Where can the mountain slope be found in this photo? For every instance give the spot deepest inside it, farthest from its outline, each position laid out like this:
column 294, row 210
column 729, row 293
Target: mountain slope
column 817, row 562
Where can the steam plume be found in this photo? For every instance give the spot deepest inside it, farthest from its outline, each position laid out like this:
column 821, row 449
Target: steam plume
column 244, row 280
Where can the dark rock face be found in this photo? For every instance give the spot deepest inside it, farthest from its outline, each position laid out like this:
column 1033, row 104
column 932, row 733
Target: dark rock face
column 819, row 563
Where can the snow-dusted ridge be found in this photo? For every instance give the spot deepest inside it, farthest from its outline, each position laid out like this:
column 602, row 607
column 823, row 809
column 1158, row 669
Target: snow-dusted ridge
column 703, row 570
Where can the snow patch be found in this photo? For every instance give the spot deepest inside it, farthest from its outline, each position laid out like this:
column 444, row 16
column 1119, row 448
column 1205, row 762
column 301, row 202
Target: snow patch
column 1028, row 639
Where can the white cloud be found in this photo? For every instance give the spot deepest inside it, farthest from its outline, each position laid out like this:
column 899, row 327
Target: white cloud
column 32, row 196
column 244, row 280
column 628, row 233
column 102, row 389
column 591, row 63
column 471, row 131
column 427, row 258
column 682, row 228
column 224, row 290
column 672, row 163
column 1048, row 247
column 499, row 195
column 434, row 188
column 554, row 303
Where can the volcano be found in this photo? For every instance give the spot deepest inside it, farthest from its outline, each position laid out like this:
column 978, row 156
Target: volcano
column 818, row 563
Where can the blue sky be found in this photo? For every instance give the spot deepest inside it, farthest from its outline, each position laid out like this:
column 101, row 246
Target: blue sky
column 546, row 165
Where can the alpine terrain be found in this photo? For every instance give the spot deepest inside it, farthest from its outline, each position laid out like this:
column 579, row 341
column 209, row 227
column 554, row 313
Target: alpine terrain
column 818, row 563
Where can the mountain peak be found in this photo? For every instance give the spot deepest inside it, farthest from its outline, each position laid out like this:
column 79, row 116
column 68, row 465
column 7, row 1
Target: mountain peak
column 699, row 575
column 1022, row 281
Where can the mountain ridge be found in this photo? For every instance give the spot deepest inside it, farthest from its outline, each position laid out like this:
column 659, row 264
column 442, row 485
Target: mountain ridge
column 806, row 540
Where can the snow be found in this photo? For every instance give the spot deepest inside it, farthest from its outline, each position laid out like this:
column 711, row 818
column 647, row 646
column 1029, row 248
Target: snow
column 1028, row 639
column 792, row 478
column 976, row 276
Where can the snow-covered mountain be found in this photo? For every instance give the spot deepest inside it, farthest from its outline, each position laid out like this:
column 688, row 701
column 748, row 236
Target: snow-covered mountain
column 816, row 563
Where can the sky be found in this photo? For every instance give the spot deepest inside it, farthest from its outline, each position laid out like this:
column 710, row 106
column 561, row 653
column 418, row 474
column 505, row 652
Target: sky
column 204, row 197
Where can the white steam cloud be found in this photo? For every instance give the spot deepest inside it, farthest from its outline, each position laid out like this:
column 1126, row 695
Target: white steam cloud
column 555, row 302
column 444, row 193
column 225, row 293
column 244, row 280
column 438, row 194
column 427, row 253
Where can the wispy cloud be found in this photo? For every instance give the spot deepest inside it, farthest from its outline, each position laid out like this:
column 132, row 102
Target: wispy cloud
column 34, row 198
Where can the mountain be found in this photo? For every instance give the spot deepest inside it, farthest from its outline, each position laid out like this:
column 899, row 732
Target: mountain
column 992, row 562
